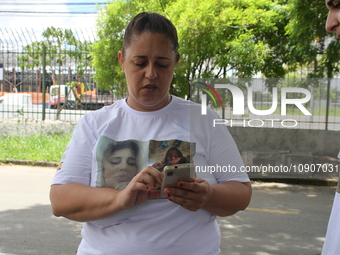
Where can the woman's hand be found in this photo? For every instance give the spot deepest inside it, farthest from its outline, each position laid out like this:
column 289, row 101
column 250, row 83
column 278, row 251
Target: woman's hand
column 222, row 199
column 141, row 188
column 158, row 165
column 190, row 195
column 81, row 202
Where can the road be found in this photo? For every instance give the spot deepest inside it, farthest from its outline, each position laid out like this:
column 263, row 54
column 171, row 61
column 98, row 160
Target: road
column 282, row 219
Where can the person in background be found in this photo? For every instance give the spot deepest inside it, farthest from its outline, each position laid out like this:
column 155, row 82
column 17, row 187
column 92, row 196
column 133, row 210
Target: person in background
column 332, row 240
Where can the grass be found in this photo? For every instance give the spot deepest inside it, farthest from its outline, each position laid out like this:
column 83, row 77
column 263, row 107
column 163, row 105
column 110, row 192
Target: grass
column 33, row 148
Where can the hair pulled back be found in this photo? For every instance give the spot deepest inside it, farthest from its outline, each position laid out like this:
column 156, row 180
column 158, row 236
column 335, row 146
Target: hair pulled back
column 153, row 23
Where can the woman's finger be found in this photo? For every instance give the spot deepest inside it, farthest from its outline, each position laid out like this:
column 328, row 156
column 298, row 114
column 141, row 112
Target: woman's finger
column 151, row 171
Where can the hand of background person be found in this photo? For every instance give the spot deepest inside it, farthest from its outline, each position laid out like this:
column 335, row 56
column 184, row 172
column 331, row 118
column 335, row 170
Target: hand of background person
column 190, row 195
column 141, row 188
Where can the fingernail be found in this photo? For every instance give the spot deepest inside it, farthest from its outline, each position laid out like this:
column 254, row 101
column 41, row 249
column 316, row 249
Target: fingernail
column 180, row 184
column 155, row 186
column 168, row 195
column 147, row 187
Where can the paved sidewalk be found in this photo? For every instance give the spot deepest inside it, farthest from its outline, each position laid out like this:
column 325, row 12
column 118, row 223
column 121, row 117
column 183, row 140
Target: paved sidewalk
column 282, row 219
column 27, row 225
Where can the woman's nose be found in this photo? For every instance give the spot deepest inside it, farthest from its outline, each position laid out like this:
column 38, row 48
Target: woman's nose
column 332, row 21
column 150, row 72
column 122, row 166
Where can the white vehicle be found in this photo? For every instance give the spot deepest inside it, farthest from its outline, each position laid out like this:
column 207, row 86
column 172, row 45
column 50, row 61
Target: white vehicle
column 13, row 105
column 16, row 101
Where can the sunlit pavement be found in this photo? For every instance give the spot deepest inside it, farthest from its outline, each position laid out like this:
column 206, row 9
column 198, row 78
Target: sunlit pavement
column 281, row 219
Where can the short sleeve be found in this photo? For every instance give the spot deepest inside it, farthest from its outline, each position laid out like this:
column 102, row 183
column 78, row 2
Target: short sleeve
column 224, row 155
column 76, row 163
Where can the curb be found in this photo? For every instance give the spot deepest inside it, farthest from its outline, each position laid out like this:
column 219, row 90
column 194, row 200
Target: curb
column 29, row 163
column 300, row 181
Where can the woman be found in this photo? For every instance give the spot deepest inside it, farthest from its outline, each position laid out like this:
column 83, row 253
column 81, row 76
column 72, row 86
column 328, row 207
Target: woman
column 134, row 220
column 119, row 164
column 333, row 19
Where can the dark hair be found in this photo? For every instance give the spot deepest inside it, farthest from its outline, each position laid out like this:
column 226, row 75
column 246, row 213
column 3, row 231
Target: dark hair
column 179, row 154
column 121, row 145
column 153, row 23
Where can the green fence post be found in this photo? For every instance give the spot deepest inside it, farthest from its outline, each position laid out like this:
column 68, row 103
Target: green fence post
column 43, row 82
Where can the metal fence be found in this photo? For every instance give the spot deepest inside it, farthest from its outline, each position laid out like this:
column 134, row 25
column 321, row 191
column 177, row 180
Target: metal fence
column 22, row 89
column 26, row 91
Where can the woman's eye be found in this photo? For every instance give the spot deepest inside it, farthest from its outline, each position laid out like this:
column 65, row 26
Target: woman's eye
column 132, row 161
column 115, row 162
column 140, row 64
column 143, row 64
column 162, row 65
column 336, row 5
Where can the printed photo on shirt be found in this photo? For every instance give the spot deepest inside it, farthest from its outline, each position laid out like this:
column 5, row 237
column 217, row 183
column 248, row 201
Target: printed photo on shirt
column 119, row 161
column 171, row 152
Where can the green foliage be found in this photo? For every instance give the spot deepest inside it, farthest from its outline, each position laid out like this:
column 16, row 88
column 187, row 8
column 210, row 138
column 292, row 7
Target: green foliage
column 216, row 36
column 111, row 25
column 332, row 57
column 60, row 44
column 310, row 45
column 218, row 39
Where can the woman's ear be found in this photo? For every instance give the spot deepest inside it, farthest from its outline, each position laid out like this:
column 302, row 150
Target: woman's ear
column 177, row 57
column 121, row 59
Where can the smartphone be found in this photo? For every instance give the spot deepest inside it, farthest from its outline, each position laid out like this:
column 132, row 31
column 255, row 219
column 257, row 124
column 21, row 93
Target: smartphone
column 175, row 173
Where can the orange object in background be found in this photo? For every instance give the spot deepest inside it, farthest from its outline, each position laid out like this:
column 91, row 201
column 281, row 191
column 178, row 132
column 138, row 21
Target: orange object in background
column 92, row 93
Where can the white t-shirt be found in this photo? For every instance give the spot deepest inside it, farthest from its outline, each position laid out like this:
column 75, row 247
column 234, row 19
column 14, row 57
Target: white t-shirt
column 156, row 226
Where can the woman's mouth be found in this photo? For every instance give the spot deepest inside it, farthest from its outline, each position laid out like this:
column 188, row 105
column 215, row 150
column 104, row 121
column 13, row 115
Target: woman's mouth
column 149, row 88
column 122, row 178
column 174, row 161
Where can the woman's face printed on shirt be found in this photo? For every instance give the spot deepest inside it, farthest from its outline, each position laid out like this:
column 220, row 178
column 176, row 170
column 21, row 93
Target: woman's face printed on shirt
column 173, row 158
column 120, row 166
